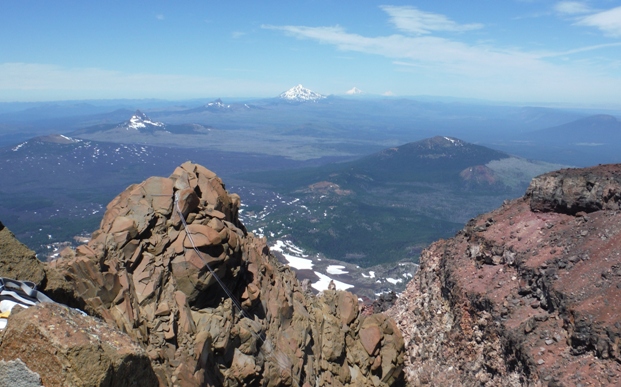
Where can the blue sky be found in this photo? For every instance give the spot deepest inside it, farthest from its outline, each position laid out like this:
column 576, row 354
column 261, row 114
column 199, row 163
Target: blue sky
column 526, row 51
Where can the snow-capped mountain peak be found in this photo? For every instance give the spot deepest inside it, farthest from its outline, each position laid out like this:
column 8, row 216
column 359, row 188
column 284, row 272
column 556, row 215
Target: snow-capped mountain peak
column 353, row 91
column 299, row 93
column 217, row 104
column 140, row 120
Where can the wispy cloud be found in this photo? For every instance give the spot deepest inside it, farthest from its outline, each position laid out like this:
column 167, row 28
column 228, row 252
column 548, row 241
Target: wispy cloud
column 472, row 67
column 579, row 50
column 237, row 34
column 159, row 16
column 609, row 22
column 572, row 8
column 412, row 20
column 453, row 56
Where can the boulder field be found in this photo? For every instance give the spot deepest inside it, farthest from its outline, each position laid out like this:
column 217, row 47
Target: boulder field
column 156, row 282
column 526, row 295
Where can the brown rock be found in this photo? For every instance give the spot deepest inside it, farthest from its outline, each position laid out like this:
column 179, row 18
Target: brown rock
column 187, row 201
column 185, row 317
column 17, row 261
column 68, row 349
column 347, row 307
column 370, row 334
column 201, row 236
column 147, row 278
column 162, row 309
column 160, row 190
column 243, row 366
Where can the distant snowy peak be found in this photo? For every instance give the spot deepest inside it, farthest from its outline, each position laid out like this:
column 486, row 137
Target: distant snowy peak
column 353, row 91
column 139, row 116
column 218, row 104
column 140, row 121
column 301, row 94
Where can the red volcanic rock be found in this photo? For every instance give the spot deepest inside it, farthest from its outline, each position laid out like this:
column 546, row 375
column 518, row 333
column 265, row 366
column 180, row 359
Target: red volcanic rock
column 525, row 295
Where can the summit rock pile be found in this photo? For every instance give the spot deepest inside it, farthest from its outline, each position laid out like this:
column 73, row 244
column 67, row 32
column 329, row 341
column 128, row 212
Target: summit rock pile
column 527, row 294
column 145, row 273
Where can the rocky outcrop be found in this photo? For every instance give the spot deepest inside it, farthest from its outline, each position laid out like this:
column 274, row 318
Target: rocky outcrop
column 524, row 295
column 66, row 348
column 163, row 266
column 17, row 260
column 570, row 191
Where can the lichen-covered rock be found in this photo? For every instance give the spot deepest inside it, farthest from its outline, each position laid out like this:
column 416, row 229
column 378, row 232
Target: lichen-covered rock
column 151, row 270
column 66, row 348
column 14, row 373
column 527, row 294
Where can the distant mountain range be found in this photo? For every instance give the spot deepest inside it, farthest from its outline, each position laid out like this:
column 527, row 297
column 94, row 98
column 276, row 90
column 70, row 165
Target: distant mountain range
column 593, row 130
column 585, row 141
column 430, row 187
column 303, row 124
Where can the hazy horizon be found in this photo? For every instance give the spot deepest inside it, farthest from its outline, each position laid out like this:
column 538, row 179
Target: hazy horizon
column 521, row 52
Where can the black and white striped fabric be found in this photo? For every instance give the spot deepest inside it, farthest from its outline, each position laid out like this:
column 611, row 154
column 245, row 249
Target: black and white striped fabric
column 22, row 293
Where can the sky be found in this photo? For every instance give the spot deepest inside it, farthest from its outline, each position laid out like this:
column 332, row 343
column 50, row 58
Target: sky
column 524, row 51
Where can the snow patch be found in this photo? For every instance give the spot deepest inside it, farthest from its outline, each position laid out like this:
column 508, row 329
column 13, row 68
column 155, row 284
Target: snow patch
column 298, row 263
column 324, row 282
column 19, row 146
column 287, row 249
column 336, row 269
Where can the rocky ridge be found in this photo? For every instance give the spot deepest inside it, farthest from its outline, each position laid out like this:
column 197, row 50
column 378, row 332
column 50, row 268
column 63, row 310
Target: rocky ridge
column 527, row 294
column 144, row 274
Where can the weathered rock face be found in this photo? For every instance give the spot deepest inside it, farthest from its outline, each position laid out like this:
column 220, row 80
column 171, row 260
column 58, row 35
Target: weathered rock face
column 17, row 260
column 525, row 295
column 145, row 272
column 570, row 191
column 66, row 348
